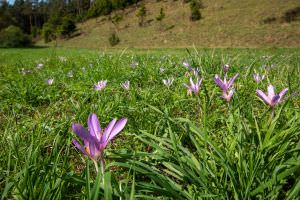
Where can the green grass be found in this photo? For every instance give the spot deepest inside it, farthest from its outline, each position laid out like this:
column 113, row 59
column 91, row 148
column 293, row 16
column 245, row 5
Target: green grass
column 174, row 146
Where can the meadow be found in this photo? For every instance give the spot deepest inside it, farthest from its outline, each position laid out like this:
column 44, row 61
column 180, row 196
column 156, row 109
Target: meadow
column 176, row 144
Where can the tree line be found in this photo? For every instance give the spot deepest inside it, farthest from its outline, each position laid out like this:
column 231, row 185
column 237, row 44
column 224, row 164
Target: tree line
column 50, row 18
column 25, row 20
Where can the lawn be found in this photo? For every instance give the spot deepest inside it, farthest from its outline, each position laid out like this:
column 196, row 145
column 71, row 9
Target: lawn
column 176, row 144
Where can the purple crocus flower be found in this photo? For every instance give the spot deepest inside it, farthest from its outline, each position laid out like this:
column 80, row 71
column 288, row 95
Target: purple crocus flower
column 228, row 94
column 224, row 85
column 50, row 81
column 258, row 78
column 271, row 99
column 95, row 139
column 194, row 87
column 186, row 64
column 100, row 85
column 125, row 85
column 226, row 67
column 195, row 71
column 168, row 82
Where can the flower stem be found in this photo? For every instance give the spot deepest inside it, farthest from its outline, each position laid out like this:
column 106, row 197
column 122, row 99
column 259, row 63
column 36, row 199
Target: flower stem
column 96, row 166
column 273, row 113
column 102, row 166
column 102, row 169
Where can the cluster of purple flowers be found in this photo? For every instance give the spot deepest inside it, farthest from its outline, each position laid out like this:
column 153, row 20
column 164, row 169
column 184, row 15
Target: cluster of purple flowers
column 94, row 139
column 102, row 84
column 270, row 99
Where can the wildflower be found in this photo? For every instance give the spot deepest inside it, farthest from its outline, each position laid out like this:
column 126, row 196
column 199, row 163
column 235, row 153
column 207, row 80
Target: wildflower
column 271, row 99
column 134, row 64
column 25, row 71
column 40, row 66
column 168, row 82
column 258, row 78
column 22, row 71
column 70, row 74
column 226, row 67
column 100, row 85
column 194, row 87
column 62, row 59
column 50, row 81
column 125, row 85
column 224, row 85
column 95, row 139
column 186, row 64
column 161, row 70
column 228, row 94
column 195, row 71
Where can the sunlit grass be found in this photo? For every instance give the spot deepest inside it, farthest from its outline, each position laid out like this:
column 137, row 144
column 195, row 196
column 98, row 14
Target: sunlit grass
column 174, row 145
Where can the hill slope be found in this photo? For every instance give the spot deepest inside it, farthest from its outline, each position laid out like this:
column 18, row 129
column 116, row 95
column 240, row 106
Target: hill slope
column 225, row 23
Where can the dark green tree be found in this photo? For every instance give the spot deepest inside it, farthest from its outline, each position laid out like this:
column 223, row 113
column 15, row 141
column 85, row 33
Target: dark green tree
column 195, row 6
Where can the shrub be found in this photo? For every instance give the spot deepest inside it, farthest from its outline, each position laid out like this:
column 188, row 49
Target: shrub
column 141, row 14
column 195, row 6
column 48, row 32
column 100, row 7
column 58, row 26
column 67, row 27
column 13, row 36
column 161, row 15
column 116, row 19
column 269, row 20
column 292, row 15
column 113, row 39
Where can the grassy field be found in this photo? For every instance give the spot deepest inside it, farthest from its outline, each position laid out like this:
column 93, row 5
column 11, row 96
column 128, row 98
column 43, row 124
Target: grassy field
column 174, row 145
column 225, row 23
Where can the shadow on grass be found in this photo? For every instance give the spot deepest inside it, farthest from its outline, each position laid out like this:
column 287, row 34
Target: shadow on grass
column 29, row 47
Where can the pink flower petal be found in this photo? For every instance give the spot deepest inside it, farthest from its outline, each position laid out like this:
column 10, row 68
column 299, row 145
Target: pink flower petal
column 263, row 97
column 107, row 131
column 271, row 92
column 283, row 92
column 78, row 146
column 117, row 128
column 94, row 126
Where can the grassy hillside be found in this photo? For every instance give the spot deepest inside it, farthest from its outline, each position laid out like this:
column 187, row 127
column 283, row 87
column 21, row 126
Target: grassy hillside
column 225, row 23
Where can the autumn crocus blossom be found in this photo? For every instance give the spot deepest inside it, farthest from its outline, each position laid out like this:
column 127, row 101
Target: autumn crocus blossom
column 100, row 85
column 168, row 82
column 226, row 67
column 125, row 85
column 194, row 87
column 228, row 94
column 95, row 139
column 258, row 78
column 223, row 84
column 186, row 64
column 50, row 81
column 271, row 98
column 195, row 71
